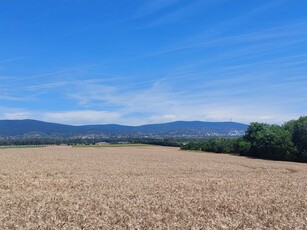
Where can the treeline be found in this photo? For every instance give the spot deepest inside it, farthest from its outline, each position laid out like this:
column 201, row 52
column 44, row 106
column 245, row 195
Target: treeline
column 161, row 142
column 287, row 142
column 53, row 141
column 88, row 141
column 45, row 141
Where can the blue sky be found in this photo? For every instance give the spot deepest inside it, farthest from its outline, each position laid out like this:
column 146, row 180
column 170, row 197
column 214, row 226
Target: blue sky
column 136, row 62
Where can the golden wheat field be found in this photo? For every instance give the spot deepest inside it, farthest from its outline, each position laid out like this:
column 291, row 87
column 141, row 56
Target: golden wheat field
column 148, row 187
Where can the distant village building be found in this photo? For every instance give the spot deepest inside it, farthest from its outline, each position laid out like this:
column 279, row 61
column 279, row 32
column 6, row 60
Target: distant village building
column 102, row 143
column 123, row 142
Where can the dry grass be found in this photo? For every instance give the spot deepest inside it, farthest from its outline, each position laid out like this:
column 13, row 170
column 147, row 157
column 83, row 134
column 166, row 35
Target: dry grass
column 148, row 188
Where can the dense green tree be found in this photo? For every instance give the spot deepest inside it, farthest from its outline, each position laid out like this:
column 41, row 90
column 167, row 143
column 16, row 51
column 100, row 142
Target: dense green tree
column 298, row 130
column 270, row 141
column 242, row 147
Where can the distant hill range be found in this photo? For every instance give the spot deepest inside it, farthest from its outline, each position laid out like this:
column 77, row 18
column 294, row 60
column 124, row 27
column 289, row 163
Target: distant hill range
column 177, row 129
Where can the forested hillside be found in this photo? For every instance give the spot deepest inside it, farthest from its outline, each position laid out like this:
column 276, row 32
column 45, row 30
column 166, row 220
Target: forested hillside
column 32, row 129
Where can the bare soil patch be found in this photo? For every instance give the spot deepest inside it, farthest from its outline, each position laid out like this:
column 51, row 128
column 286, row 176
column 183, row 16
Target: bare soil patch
column 148, row 187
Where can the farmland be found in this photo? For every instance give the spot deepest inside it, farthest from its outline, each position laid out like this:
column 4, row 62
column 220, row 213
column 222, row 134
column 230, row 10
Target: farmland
column 147, row 187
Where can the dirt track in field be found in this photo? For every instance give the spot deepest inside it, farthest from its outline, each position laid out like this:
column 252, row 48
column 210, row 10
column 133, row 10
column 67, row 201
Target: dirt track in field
column 148, row 187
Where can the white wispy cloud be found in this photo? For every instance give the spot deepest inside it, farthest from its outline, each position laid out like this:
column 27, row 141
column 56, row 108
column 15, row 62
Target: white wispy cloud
column 73, row 117
column 293, row 33
column 12, row 98
column 11, row 59
column 14, row 114
column 161, row 102
column 152, row 6
column 82, row 117
column 244, row 111
column 52, row 73
column 253, row 12
column 47, row 86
